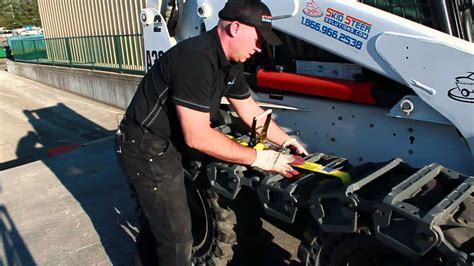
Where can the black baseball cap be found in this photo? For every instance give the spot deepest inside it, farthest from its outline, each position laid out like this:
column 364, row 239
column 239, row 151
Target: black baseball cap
column 253, row 13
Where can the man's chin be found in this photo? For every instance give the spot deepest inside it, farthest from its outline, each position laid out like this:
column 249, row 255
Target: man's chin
column 244, row 59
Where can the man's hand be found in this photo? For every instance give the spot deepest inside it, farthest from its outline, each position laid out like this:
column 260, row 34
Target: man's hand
column 294, row 146
column 273, row 161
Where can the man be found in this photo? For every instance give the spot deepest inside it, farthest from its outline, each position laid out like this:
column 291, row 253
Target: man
column 172, row 109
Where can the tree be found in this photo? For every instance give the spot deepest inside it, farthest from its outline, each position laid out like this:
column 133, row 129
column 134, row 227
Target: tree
column 14, row 14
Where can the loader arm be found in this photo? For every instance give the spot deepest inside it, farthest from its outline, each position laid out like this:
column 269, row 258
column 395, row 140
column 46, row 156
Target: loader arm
column 426, row 60
column 407, row 210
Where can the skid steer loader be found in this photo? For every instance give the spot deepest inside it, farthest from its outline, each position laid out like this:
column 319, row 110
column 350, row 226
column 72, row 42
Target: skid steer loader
column 382, row 92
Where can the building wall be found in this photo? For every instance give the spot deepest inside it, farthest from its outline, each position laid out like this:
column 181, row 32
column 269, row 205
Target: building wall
column 67, row 18
column 66, row 21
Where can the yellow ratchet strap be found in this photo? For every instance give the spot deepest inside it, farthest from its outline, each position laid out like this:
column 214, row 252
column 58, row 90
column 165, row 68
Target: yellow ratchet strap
column 259, row 146
column 315, row 167
column 310, row 166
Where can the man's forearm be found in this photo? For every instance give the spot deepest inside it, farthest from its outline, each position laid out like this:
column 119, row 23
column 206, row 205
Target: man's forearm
column 217, row 145
column 276, row 134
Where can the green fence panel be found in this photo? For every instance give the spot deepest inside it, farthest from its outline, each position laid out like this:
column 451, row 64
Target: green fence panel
column 118, row 53
column 3, row 52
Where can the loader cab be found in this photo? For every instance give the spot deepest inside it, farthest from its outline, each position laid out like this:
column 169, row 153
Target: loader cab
column 453, row 17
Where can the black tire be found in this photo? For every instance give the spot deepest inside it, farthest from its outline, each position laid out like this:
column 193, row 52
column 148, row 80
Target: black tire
column 360, row 249
column 310, row 247
column 212, row 225
column 223, row 229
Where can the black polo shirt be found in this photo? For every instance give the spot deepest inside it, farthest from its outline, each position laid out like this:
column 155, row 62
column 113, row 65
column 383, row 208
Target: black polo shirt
column 195, row 74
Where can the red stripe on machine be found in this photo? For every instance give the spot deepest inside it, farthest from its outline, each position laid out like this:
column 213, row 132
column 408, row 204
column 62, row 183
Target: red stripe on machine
column 359, row 92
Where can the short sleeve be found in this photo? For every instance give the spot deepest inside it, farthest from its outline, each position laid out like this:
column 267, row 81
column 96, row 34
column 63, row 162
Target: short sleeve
column 191, row 81
column 239, row 89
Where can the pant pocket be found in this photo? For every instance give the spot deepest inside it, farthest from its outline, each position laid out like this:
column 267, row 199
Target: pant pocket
column 152, row 146
column 133, row 161
column 166, row 167
column 162, row 156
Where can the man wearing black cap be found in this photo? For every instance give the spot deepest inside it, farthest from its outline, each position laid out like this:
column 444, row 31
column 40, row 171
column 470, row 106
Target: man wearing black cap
column 173, row 110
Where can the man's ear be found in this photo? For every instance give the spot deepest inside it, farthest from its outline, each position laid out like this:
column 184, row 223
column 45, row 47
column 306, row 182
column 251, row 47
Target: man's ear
column 234, row 28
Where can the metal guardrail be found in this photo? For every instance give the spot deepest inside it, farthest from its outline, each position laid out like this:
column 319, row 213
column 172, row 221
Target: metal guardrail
column 117, row 53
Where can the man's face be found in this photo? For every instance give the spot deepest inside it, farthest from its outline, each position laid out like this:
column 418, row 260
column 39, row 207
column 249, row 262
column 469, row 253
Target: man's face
column 246, row 42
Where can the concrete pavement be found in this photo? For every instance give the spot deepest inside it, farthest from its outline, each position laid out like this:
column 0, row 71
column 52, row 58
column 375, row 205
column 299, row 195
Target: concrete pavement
column 73, row 208
column 3, row 64
column 36, row 118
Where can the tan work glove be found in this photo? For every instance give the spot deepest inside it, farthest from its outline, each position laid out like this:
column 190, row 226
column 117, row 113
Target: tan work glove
column 294, row 146
column 272, row 161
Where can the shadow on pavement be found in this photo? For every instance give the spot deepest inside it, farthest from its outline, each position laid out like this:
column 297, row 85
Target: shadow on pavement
column 16, row 251
column 267, row 253
column 54, row 127
column 26, row 151
column 91, row 175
